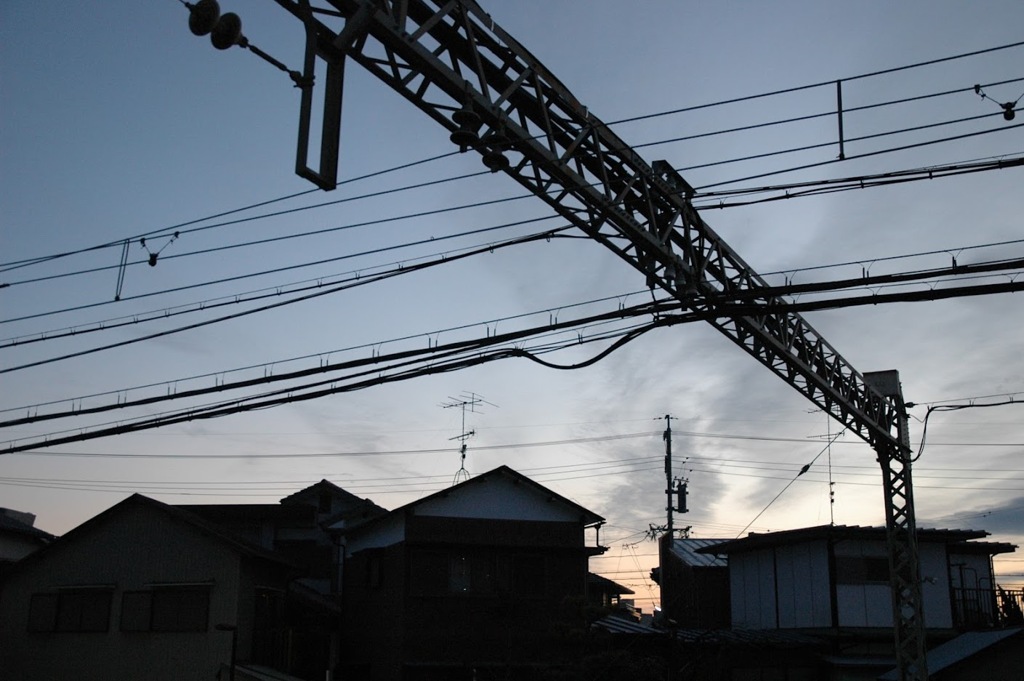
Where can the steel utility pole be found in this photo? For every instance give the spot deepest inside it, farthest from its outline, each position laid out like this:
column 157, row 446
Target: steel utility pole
column 669, row 508
column 453, row 62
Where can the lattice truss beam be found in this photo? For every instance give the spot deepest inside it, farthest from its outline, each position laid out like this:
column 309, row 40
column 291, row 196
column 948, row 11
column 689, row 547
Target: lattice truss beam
column 447, row 57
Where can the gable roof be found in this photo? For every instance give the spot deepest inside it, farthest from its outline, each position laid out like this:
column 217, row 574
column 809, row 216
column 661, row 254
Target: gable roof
column 174, row 514
column 324, row 486
column 587, row 517
column 755, row 540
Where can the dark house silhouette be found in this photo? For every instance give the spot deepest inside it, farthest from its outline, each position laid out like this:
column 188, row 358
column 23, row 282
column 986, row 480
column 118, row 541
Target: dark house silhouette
column 486, row 579
column 138, row 592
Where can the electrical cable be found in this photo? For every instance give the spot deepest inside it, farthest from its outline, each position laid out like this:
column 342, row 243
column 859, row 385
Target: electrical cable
column 180, row 227
column 290, row 360
column 276, row 270
column 802, row 471
column 824, row 83
column 848, row 157
column 215, row 249
column 703, row 200
column 954, row 407
column 437, row 353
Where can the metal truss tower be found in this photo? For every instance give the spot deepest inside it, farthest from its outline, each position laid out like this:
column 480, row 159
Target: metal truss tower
column 453, row 62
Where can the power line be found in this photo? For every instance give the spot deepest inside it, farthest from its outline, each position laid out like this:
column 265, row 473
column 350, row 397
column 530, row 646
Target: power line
column 346, row 285
column 182, row 227
column 319, row 355
column 404, row 366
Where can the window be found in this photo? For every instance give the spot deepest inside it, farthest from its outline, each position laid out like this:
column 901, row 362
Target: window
column 79, row 610
column 459, row 572
column 42, row 613
column 862, row 570
column 166, row 609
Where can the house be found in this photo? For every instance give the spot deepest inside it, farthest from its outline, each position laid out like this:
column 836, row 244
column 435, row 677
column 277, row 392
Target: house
column 830, row 577
column 604, row 593
column 148, row 590
column 19, row 537
column 694, row 585
column 833, row 582
column 486, row 579
column 303, row 528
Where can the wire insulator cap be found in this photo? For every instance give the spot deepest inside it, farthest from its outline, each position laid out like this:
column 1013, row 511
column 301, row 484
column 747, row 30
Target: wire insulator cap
column 227, row 32
column 203, row 16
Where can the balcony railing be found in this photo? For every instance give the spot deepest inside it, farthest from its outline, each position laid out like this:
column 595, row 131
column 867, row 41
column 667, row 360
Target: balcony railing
column 987, row 608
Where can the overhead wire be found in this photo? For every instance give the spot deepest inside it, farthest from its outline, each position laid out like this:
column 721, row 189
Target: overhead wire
column 376, row 345
column 215, row 249
column 803, row 470
column 276, row 291
column 183, row 225
column 403, row 366
column 344, row 286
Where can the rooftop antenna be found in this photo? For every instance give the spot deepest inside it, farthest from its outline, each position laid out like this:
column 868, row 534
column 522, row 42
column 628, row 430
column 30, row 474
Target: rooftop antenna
column 465, row 402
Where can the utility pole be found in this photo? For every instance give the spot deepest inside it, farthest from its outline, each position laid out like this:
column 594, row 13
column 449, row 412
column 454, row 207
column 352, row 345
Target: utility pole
column 668, row 476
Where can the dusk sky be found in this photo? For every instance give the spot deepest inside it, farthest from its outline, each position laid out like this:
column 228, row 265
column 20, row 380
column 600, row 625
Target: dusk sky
column 116, row 123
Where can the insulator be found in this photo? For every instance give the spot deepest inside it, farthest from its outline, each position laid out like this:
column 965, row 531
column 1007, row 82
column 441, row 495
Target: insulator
column 466, row 118
column 464, row 137
column 496, row 140
column 495, row 160
column 469, row 122
column 203, row 16
column 227, row 32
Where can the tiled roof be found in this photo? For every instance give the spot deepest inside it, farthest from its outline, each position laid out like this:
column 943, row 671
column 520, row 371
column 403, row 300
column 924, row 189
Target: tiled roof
column 777, row 637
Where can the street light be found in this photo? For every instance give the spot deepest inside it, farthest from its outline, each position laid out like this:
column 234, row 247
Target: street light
column 234, row 644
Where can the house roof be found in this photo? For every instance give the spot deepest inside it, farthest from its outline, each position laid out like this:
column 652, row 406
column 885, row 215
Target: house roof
column 988, row 548
column 173, row 513
column 11, row 524
column 688, row 551
column 587, row 517
column 219, row 513
column 959, row 649
column 754, row 540
column 605, row 585
column 751, row 637
column 320, row 487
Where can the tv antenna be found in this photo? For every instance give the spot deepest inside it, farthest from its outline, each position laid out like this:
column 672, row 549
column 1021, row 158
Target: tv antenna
column 465, row 402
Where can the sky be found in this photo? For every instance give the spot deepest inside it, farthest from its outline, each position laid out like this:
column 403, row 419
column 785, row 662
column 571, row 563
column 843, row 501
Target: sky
column 117, row 124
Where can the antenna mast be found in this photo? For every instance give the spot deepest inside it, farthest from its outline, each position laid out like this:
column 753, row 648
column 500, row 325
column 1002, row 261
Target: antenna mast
column 464, row 401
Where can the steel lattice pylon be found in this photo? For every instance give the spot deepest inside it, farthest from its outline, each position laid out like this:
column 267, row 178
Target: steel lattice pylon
column 452, row 61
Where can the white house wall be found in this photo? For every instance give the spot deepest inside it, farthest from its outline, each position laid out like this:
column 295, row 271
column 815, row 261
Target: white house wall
column 752, row 588
column 938, row 610
column 970, row 571
column 863, row 605
column 803, row 591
